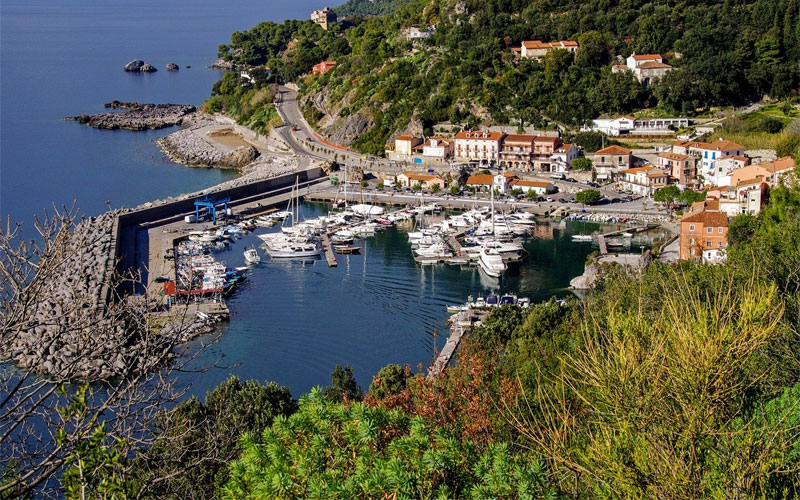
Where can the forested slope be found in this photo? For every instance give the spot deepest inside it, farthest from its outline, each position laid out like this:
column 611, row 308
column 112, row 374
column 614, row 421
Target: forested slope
column 724, row 52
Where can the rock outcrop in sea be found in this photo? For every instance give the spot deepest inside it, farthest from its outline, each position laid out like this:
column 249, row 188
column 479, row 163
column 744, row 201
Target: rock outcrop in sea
column 139, row 117
column 189, row 148
column 140, row 66
column 172, row 67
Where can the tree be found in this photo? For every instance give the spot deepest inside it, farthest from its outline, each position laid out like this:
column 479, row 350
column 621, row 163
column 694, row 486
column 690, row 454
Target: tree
column 416, row 187
column 343, row 386
column 75, row 335
column 689, row 196
column 436, row 188
column 742, row 228
column 454, row 189
column 789, row 146
column 390, row 380
column 194, row 442
column 379, row 185
column 531, row 194
column 582, row 163
column 667, row 195
column 588, row 196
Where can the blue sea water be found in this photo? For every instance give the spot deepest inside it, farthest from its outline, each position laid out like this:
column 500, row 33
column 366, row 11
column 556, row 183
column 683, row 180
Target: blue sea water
column 64, row 57
column 290, row 323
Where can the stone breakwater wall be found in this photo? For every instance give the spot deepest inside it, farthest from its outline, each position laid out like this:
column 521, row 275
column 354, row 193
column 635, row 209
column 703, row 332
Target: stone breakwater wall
column 189, row 147
column 66, row 331
column 139, row 117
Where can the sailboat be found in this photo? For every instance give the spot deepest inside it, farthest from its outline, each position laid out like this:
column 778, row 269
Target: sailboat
column 294, row 243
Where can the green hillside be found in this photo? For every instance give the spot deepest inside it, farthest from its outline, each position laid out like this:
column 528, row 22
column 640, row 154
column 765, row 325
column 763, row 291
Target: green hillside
column 724, row 53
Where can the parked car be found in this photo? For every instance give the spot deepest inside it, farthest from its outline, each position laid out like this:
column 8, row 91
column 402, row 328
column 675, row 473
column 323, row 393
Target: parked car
column 569, row 179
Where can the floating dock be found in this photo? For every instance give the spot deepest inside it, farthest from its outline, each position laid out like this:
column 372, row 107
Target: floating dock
column 330, row 257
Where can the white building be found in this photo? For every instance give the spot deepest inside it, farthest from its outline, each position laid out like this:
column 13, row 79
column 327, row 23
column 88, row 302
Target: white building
column 415, row 33
column 628, row 125
column 644, row 180
column 438, row 148
column 562, row 158
column 647, row 67
column 538, row 187
column 478, row 145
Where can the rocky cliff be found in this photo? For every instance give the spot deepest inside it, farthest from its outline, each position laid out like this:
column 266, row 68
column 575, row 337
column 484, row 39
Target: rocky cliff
column 139, row 117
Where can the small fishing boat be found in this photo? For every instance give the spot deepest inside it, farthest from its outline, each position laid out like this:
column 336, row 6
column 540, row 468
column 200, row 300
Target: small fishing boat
column 582, row 237
column 346, row 249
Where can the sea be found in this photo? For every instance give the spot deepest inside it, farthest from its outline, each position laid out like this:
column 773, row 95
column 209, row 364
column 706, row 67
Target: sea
column 291, row 322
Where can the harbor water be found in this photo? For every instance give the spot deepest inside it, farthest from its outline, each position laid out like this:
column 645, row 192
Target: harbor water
column 291, row 322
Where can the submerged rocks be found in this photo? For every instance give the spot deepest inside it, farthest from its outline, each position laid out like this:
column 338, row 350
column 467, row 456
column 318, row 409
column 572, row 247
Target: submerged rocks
column 140, row 66
column 172, row 67
column 140, row 117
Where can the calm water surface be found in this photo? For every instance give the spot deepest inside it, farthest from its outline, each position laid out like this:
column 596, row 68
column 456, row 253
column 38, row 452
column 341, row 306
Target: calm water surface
column 291, row 322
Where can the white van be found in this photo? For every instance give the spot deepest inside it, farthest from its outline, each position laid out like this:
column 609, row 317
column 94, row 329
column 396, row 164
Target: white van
column 558, row 176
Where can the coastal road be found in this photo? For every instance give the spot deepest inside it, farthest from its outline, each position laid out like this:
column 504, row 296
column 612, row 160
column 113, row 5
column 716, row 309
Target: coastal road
column 289, row 110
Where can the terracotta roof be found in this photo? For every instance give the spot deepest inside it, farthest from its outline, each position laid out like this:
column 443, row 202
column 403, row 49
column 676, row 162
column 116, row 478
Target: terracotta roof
column 646, row 57
column 538, row 44
column 520, row 182
column 675, row 156
column 707, row 204
column 564, row 148
column 721, row 145
column 520, row 138
column 714, row 218
column 481, row 179
column 629, row 117
column 778, row 165
column 654, row 65
column 420, row 177
column 404, row 138
column 751, row 182
column 736, row 157
column 614, row 150
column 546, row 138
column 637, row 170
column 479, row 134
column 657, row 174
column 690, row 144
column 508, row 175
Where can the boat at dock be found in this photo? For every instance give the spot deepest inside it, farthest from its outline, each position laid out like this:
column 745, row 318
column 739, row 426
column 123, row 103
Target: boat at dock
column 492, row 263
column 347, row 249
column 582, row 237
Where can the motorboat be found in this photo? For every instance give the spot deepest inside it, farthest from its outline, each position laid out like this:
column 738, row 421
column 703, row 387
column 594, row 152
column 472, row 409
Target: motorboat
column 491, row 262
column 251, row 256
column 295, row 249
column 582, row 237
column 366, row 210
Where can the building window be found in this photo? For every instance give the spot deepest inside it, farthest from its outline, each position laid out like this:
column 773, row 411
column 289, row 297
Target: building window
column 720, row 230
column 691, row 251
column 719, row 244
column 710, row 230
column 691, row 228
column 708, row 243
column 691, row 241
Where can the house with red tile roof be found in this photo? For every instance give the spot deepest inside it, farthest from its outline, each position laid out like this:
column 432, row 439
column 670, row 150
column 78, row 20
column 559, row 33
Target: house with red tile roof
column 478, row 145
column 323, row 67
column 538, row 187
column 426, row 181
column 609, row 162
column 681, row 167
column 647, row 67
column 704, row 233
column 644, row 180
column 537, row 49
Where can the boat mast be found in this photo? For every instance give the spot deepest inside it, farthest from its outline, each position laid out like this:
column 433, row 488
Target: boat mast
column 491, row 197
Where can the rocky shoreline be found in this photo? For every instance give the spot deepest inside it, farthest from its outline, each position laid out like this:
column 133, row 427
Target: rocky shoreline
column 188, row 147
column 139, row 116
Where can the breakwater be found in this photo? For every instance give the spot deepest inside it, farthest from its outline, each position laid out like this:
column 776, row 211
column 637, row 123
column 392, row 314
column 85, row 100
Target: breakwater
column 139, row 116
column 73, row 324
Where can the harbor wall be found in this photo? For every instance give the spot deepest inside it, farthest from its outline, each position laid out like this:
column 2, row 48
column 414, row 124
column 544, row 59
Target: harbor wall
column 127, row 227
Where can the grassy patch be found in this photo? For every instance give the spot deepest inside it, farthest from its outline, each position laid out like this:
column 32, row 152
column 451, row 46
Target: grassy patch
column 752, row 140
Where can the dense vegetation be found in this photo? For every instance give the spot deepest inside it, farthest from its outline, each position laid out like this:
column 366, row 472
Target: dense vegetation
column 369, row 7
column 679, row 382
column 724, row 52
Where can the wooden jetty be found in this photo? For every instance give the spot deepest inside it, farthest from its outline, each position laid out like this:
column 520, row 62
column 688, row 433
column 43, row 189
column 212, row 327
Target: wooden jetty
column 461, row 323
column 328, row 250
column 601, row 239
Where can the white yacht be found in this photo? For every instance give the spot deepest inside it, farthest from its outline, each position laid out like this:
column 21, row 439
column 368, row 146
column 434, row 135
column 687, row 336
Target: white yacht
column 492, row 263
column 292, row 248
